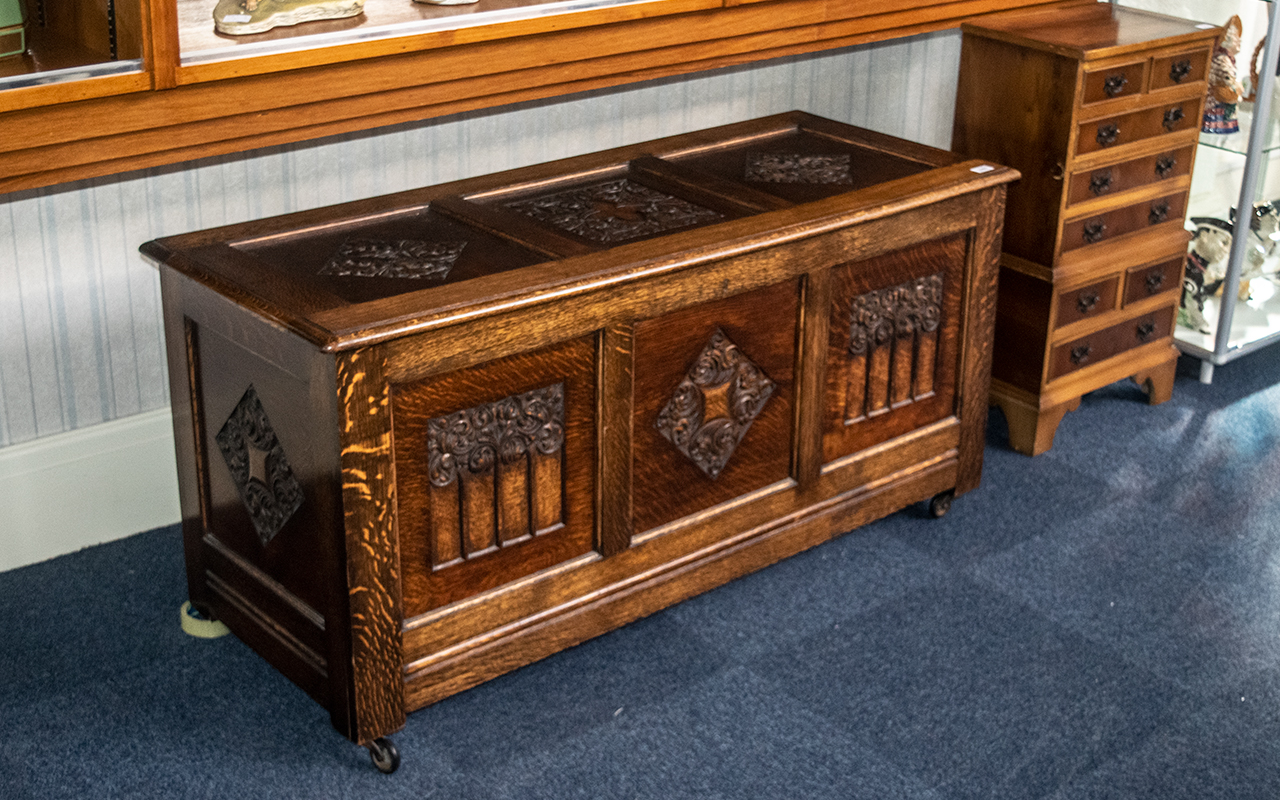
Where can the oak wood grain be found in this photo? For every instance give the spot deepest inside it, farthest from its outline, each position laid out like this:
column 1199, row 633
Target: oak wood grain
column 372, row 564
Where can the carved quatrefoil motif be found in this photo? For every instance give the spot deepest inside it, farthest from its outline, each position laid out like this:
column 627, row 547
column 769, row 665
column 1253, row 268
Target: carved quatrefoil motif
column 614, row 212
column 262, row 475
column 714, row 405
column 406, row 258
column 798, row 168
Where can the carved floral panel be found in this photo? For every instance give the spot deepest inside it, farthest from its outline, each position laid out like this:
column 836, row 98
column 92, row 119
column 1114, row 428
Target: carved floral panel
column 614, row 212
column 405, row 258
column 712, row 407
column 259, row 469
column 798, row 168
column 474, row 439
column 496, row 474
column 893, row 345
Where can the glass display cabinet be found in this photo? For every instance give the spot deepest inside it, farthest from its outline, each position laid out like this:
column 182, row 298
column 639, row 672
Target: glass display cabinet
column 105, row 86
column 1231, row 306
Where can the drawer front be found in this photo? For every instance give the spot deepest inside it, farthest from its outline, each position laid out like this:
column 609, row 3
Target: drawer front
column 1126, row 175
column 1152, row 279
column 1138, row 125
column 1094, row 348
column 1136, row 217
column 1179, row 70
column 1086, row 302
column 1119, row 81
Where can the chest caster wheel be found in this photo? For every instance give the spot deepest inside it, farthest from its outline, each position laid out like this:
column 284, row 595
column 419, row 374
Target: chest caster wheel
column 384, row 755
column 941, row 503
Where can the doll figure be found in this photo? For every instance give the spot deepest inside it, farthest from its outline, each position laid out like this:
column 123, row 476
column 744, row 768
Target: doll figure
column 1224, row 87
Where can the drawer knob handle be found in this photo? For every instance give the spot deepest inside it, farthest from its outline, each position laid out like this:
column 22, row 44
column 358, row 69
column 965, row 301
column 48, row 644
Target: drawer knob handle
column 1173, row 117
column 1100, row 182
column 1179, row 70
column 1094, row 231
column 1114, row 84
column 1159, row 213
column 1087, row 301
column 1145, row 330
column 1080, row 354
column 1108, row 134
column 1165, row 165
column 1154, row 281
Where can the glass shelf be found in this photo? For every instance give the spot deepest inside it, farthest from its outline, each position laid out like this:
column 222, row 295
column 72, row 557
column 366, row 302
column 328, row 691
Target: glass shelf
column 1239, row 142
column 1256, row 322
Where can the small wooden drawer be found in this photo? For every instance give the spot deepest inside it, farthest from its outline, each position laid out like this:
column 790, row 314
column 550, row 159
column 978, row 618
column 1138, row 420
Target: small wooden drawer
column 1086, row 302
column 1116, row 178
column 1119, row 81
column 1084, row 351
column 1105, row 227
column 1152, row 279
column 1179, row 69
column 1138, row 125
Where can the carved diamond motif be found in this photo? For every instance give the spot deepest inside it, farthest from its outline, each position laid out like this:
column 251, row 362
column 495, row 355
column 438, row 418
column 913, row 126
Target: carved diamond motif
column 472, row 440
column 406, row 258
column 613, row 212
column 714, row 405
column 798, row 168
column 262, row 475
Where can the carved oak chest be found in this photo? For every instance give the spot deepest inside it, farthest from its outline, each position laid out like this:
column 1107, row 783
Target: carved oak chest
column 427, row 438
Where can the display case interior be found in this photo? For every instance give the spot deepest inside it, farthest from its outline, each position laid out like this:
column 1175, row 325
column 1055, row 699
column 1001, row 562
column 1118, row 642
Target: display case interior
column 228, row 29
column 1234, row 169
column 66, row 41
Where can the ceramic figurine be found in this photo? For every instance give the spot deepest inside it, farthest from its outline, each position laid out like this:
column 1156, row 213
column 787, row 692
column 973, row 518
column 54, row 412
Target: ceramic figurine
column 242, row 17
column 1224, row 87
column 1206, row 266
column 1264, row 230
column 13, row 28
column 1208, row 254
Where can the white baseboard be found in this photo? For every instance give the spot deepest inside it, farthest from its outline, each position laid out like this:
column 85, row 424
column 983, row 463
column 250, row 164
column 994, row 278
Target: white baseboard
column 65, row 492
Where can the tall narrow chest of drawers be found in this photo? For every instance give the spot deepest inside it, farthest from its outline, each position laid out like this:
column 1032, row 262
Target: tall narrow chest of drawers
column 1099, row 108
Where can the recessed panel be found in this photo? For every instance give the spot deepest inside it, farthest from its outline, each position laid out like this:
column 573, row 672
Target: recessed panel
column 495, row 471
column 713, row 402
column 383, row 256
column 891, row 359
column 800, row 165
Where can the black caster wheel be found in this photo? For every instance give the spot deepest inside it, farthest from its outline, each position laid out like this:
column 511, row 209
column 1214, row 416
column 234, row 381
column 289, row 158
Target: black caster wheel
column 941, row 503
column 384, row 755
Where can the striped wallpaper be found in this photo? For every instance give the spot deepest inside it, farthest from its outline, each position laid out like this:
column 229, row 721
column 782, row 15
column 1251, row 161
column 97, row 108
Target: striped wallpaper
column 81, row 340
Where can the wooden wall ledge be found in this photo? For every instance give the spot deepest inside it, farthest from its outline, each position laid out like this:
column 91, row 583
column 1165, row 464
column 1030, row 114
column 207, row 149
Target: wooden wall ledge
column 56, row 134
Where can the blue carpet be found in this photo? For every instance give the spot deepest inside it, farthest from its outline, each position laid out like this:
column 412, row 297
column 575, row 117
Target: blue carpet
column 1102, row 621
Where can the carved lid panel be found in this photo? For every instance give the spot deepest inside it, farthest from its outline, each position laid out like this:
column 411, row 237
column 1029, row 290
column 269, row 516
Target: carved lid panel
column 802, row 165
column 369, row 258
